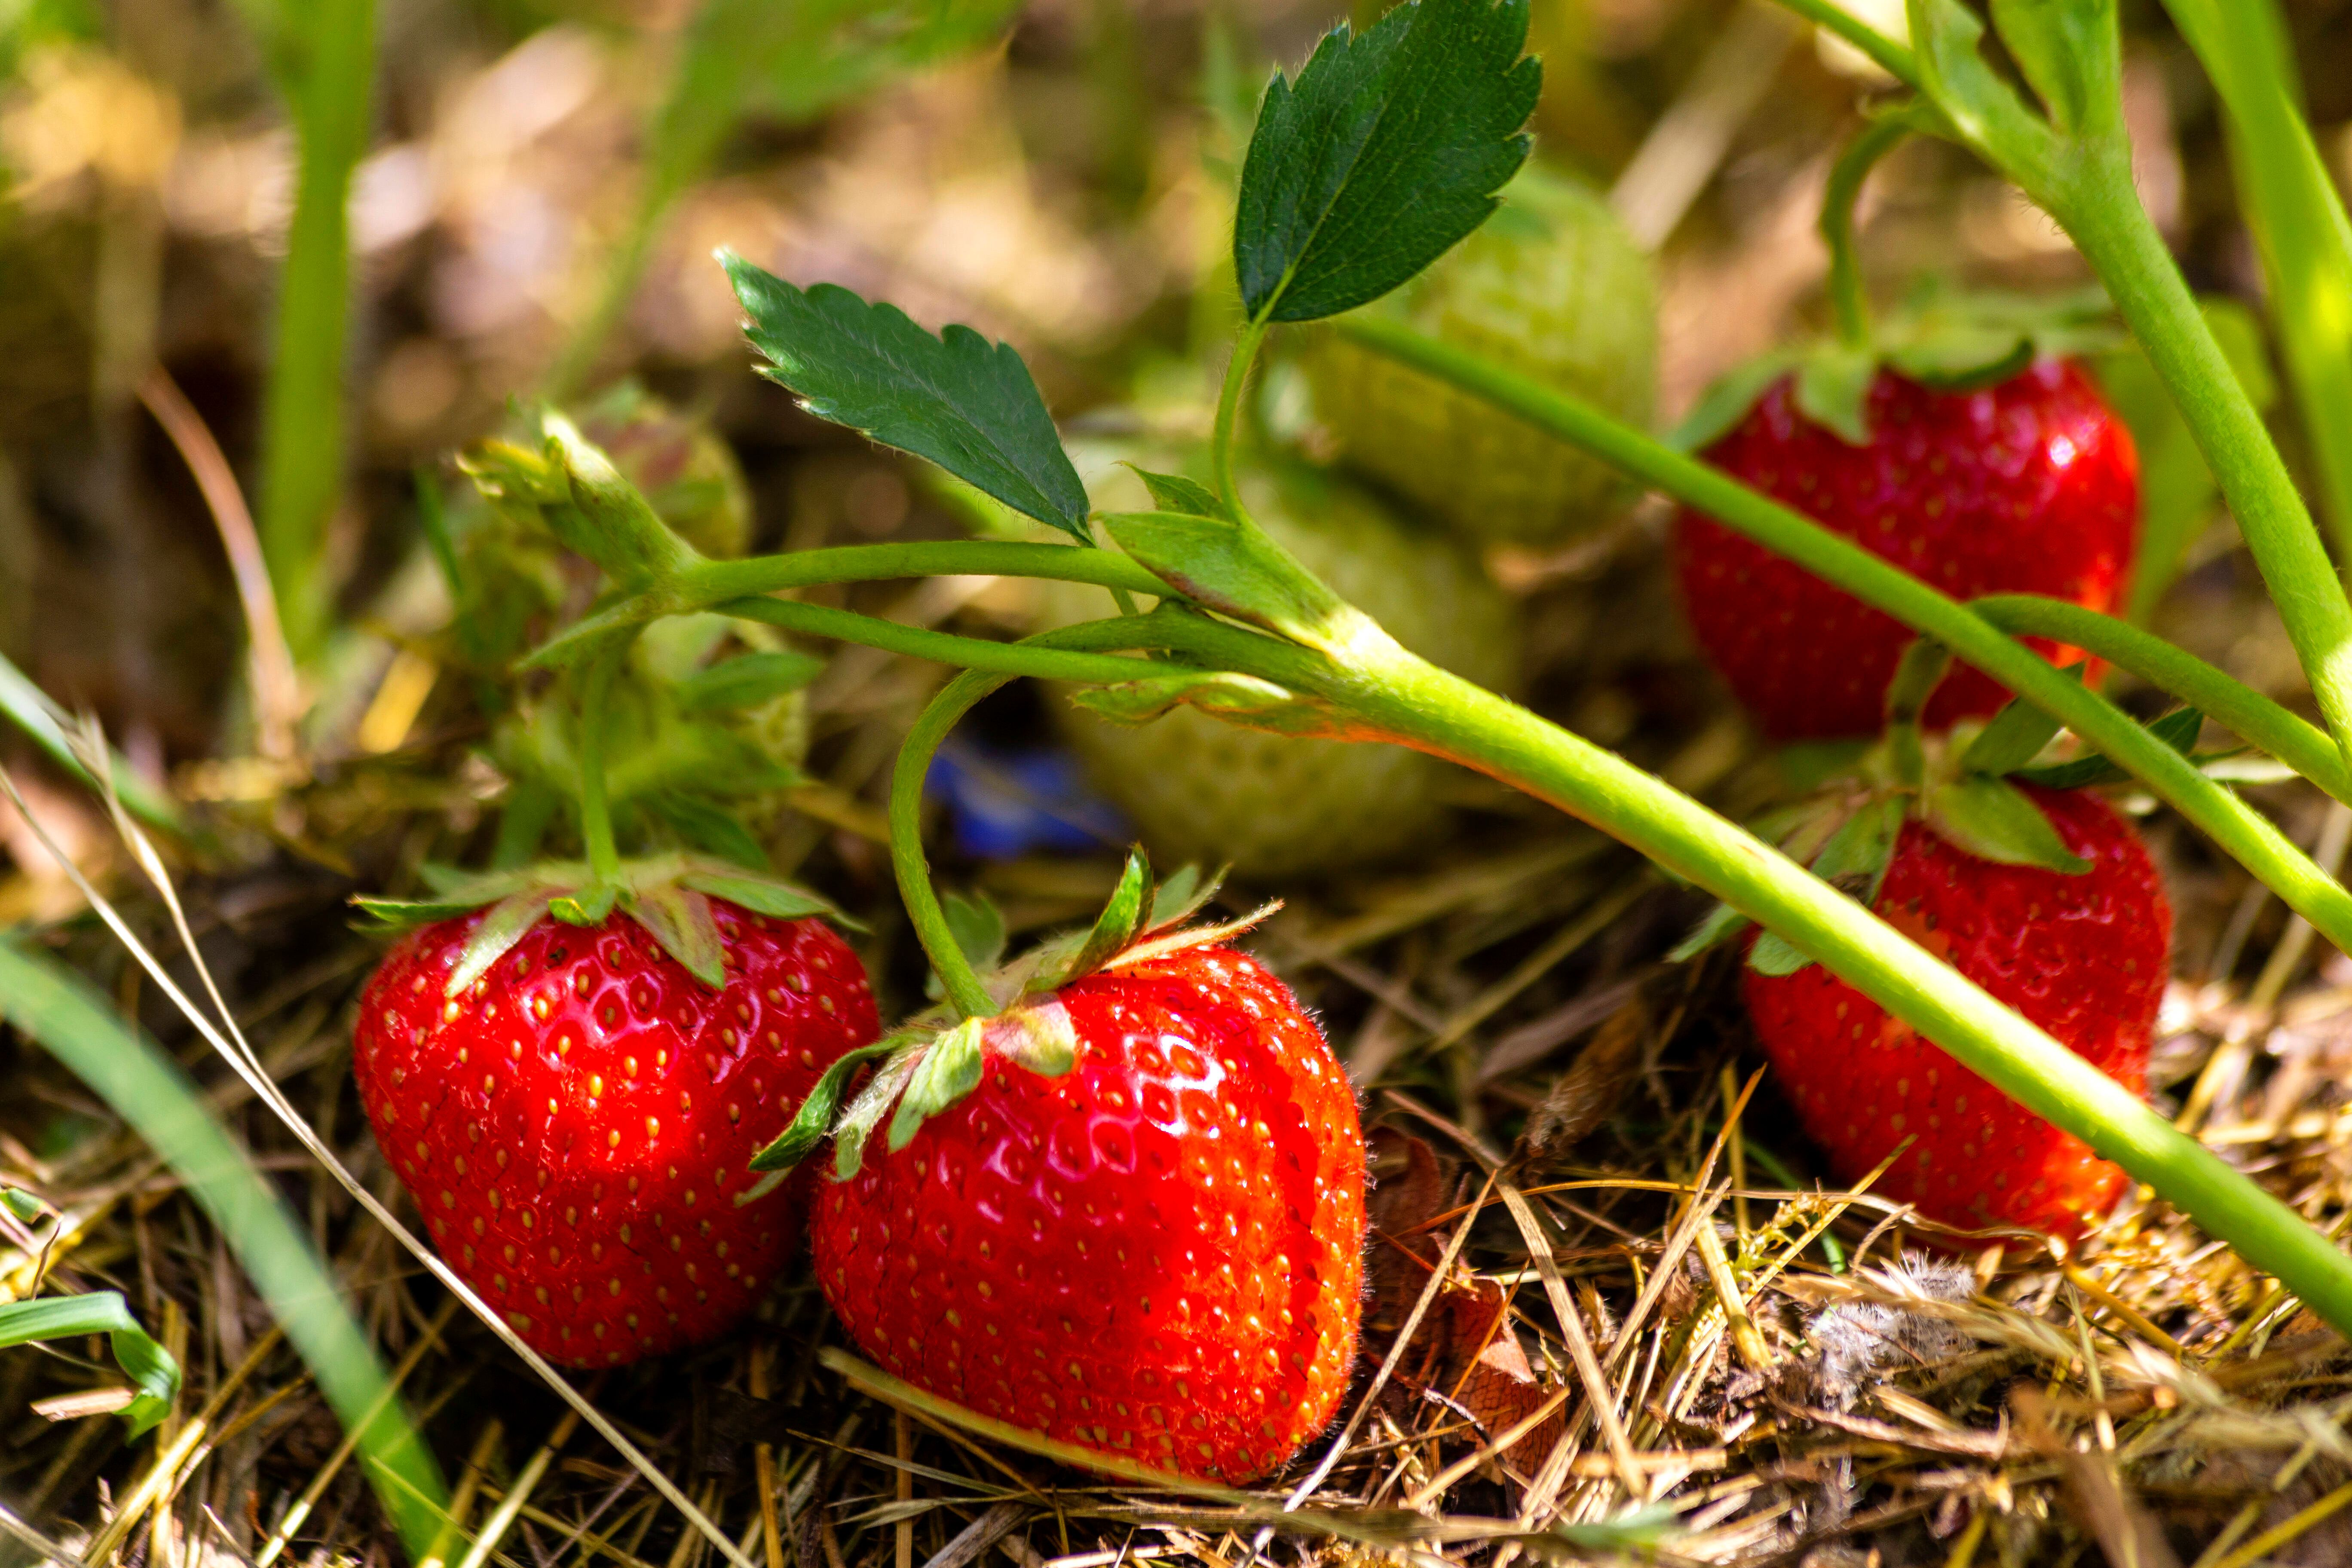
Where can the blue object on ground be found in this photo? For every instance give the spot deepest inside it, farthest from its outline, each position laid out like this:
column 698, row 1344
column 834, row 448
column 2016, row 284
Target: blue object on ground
column 1007, row 804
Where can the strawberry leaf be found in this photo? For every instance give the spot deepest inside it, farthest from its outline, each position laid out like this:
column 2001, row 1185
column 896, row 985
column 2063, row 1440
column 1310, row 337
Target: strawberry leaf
column 2015, row 738
column 1116, row 926
column 1833, row 388
column 591, row 906
column 1993, row 820
column 679, row 918
column 2178, row 729
column 1726, row 402
column 812, row 1122
column 509, row 919
column 965, row 403
column 746, row 681
column 1037, row 1036
column 864, row 1113
column 1722, row 923
column 1182, row 896
column 978, row 926
column 1776, row 955
column 944, row 1074
column 1238, row 699
column 769, row 896
column 1174, row 492
column 1234, row 568
column 1855, row 857
column 1384, row 151
column 706, row 825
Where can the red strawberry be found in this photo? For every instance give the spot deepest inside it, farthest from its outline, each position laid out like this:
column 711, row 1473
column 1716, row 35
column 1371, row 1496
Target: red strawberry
column 2083, row 955
column 576, row 1124
column 2028, row 487
column 1158, row 1254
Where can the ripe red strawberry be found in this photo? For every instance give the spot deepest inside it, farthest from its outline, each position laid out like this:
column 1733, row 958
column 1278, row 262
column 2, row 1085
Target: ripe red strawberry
column 2083, row 956
column 1158, row 1254
column 575, row 1125
column 2027, row 487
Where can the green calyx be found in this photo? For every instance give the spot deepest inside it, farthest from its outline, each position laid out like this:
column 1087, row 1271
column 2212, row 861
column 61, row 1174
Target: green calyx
column 929, row 1065
column 668, row 895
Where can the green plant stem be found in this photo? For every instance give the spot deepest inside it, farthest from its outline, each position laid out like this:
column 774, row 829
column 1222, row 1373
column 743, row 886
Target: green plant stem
column 946, row 647
column 303, row 423
column 2230, row 703
column 1889, row 56
column 2298, row 222
column 957, row 976
column 2246, row 834
column 2122, row 244
column 149, row 1090
column 595, row 804
column 1229, row 405
column 713, row 583
column 1404, row 699
column 1854, row 165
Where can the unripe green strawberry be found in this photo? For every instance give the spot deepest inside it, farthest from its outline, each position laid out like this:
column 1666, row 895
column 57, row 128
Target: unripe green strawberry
column 1202, row 789
column 1552, row 287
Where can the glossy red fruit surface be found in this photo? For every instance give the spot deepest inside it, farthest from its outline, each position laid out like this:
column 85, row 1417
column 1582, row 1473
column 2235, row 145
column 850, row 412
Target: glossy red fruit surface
column 576, row 1125
column 2028, row 487
column 1158, row 1254
column 2085, row 957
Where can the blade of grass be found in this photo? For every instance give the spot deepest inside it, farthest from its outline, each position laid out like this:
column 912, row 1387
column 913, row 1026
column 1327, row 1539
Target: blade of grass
column 331, row 79
column 53, row 1006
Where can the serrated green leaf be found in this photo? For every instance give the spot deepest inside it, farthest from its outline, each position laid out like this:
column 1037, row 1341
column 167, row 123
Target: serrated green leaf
column 857, row 1123
column 2013, row 738
column 1833, row 390
column 1174, row 492
column 1722, row 923
column 680, row 920
column 746, row 681
column 812, row 1122
column 978, row 926
column 1774, row 954
column 959, row 400
column 154, row 1376
column 1384, row 151
column 1726, row 402
column 1993, row 820
column 1231, row 567
column 508, row 922
column 948, row 1070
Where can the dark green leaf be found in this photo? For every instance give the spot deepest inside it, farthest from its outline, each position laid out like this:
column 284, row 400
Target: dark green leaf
column 747, row 680
column 1384, row 151
column 1183, row 896
column 949, row 1070
column 1833, row 391
column 1234, row 568
column 1174, row 492
column 1855, row 857
column 978, row 926
column 1722, row 923
column 2068, row 52
column 1121, row 916
column 1984, row 110
column 965, row 403
column 1990, row 819
column 2178, row 729
column 812, row 1122
column 2013, row 738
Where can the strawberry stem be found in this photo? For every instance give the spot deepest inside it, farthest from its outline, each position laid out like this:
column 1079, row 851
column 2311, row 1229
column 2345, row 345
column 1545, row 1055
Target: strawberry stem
column 1854, row 165
column 595, row 807
column 2228, row 701
column 1229, row 404
column 2244, row 834
column 957, row 976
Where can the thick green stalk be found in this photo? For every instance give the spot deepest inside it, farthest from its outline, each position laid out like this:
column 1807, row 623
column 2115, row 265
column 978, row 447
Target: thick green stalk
column 2298, row 222
column 1409, row 701
column 2245, row 834
column 303, row 415
column 2122, row 244
column 957, row 978
column 595, row 804
column 713, row 583
column 2229, row 702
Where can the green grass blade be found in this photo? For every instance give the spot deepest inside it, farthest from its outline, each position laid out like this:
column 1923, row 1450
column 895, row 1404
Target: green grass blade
column 331, row 79
column 152, row 1371
column 147, row 1088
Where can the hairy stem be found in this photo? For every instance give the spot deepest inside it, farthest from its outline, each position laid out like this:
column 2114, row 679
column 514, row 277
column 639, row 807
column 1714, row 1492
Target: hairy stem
column 957, row 976
column 2245, row 834
column 2229, row 702
column 1229, row 406
column 595, row 805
